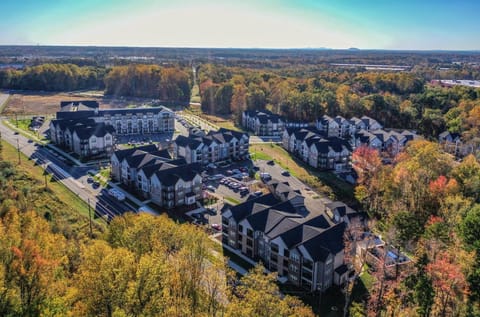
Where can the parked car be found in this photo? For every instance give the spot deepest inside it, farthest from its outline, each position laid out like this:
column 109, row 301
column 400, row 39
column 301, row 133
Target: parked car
column 243, row 169
column 212, row 166
column 211, row 188
column 117, row 194
column 286, row 173
column 271, row 162
column 95, row 185
column 216, row 226
column 90, row 180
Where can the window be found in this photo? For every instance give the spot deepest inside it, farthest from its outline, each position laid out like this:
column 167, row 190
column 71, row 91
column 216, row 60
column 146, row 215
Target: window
column 294, row 257
column 250, row 232
column 274, row 247
column 240, row 228
column 307, row 264
column 94, row 139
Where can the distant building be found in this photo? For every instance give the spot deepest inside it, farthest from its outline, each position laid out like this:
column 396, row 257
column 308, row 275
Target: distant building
column 125, row 121
column 305, row 246
column 391, row 141
column 213, row 147
column 263, row 123
column 456, row 82
column 343, row 128
column 452, row 143
column 154, row 175
column 83, row 128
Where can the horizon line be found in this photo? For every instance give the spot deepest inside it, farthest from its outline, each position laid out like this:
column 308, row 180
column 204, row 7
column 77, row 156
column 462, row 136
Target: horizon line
column 245, row 48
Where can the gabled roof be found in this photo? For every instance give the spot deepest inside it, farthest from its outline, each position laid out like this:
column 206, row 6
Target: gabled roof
column 241, row 211
column 98, row 130
column 80, row 105
column 191, row 142
column 305, row 231
column 170, row 176
column 330, row 241
column 121, row 154
column 264, row 116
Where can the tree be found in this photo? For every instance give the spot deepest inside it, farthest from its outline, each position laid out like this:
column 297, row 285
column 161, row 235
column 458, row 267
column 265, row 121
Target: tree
column 448, row 282
column 103, row 278
column 470, row 228
column 258, row 295
column 32, row 274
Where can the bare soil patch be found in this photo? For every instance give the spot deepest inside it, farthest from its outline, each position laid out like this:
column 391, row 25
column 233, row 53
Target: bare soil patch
column 35, row 103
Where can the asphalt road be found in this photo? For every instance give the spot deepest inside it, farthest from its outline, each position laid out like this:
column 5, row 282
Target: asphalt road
column 74, row 178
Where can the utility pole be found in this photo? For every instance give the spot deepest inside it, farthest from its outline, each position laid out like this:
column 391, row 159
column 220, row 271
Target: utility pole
column 90, row 217
column 45, row 173
column 18, row 152
column 16, row 119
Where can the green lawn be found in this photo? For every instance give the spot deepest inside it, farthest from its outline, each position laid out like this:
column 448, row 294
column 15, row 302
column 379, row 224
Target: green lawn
column 195, row 95
column 232, row 200
column 24, row 130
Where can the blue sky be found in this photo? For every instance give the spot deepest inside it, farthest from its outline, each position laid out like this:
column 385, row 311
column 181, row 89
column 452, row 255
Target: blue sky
column 374, row 24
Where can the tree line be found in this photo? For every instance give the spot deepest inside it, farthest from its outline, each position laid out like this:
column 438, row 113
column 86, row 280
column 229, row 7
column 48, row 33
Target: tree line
column 140, row 265
column 134, row 80
column 397, row 100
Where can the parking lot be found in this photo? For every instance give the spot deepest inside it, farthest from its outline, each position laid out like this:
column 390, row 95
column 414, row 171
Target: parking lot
column 153, row 138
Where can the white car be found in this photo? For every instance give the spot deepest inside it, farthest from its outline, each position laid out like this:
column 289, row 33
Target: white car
column 117, row 194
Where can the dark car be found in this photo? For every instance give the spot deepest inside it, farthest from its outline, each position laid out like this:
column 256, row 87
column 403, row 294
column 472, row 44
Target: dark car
column 95, row 185
column 286, row 173
column 271, row 162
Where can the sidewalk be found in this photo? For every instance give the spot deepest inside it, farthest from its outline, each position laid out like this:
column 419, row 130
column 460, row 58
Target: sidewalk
column 62, row 152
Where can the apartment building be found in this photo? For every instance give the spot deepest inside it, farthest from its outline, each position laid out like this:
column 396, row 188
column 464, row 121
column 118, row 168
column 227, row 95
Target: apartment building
column 263, row 123
column 330, row 153
column 125, row 121
column 213, row 147
column 343, row 128
column 390, row 141
column 84, row 137
column 153, row 174
column 304, row 245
